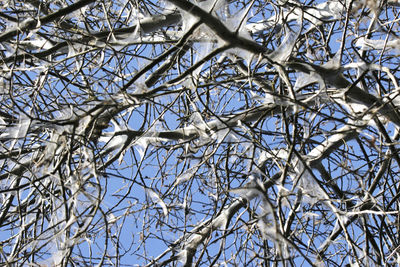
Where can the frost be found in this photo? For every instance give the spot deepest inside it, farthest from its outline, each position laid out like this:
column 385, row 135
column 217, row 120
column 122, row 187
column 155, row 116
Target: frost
column 367, row 44
column 268, row 99
column 8, row 49
column 256, row 97
column 316, row 15
column 268, row 231
column 57, row 257
column 282, row 191
column 188, row 20
column 264, row 228
column 234, row 53
column 73, row 52
column 187, row 175
column 204, row 48
column 111, row 219
column 277, row 155
column 37, row 42
column 336, row 137
column 234, row 22
column 114, row 141
column 307, row 182
column 311, row 215
column 304, row 80
column 198, row 123
column 282, row 53
column 237, row 22
column 253, row 189
column 248, row 193
column 394, row 98
column 77, row 14
column 265, row 25
column 300, row 174
column 212, row 5
column 18, row 131
column 224, row 134
column 324, row 11
column 2, row 123
column 149, row 138
column 156, row 198
column 127, row 39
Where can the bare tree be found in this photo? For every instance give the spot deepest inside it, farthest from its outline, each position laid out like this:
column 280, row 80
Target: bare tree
column 199, row 133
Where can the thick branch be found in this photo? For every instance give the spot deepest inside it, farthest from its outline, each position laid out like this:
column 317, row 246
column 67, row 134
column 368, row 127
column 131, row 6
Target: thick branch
column 31, row 24
column 146, row 25
column 216, row 25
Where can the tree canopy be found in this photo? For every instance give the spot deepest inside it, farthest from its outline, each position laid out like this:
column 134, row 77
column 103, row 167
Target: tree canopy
column 199, row 133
